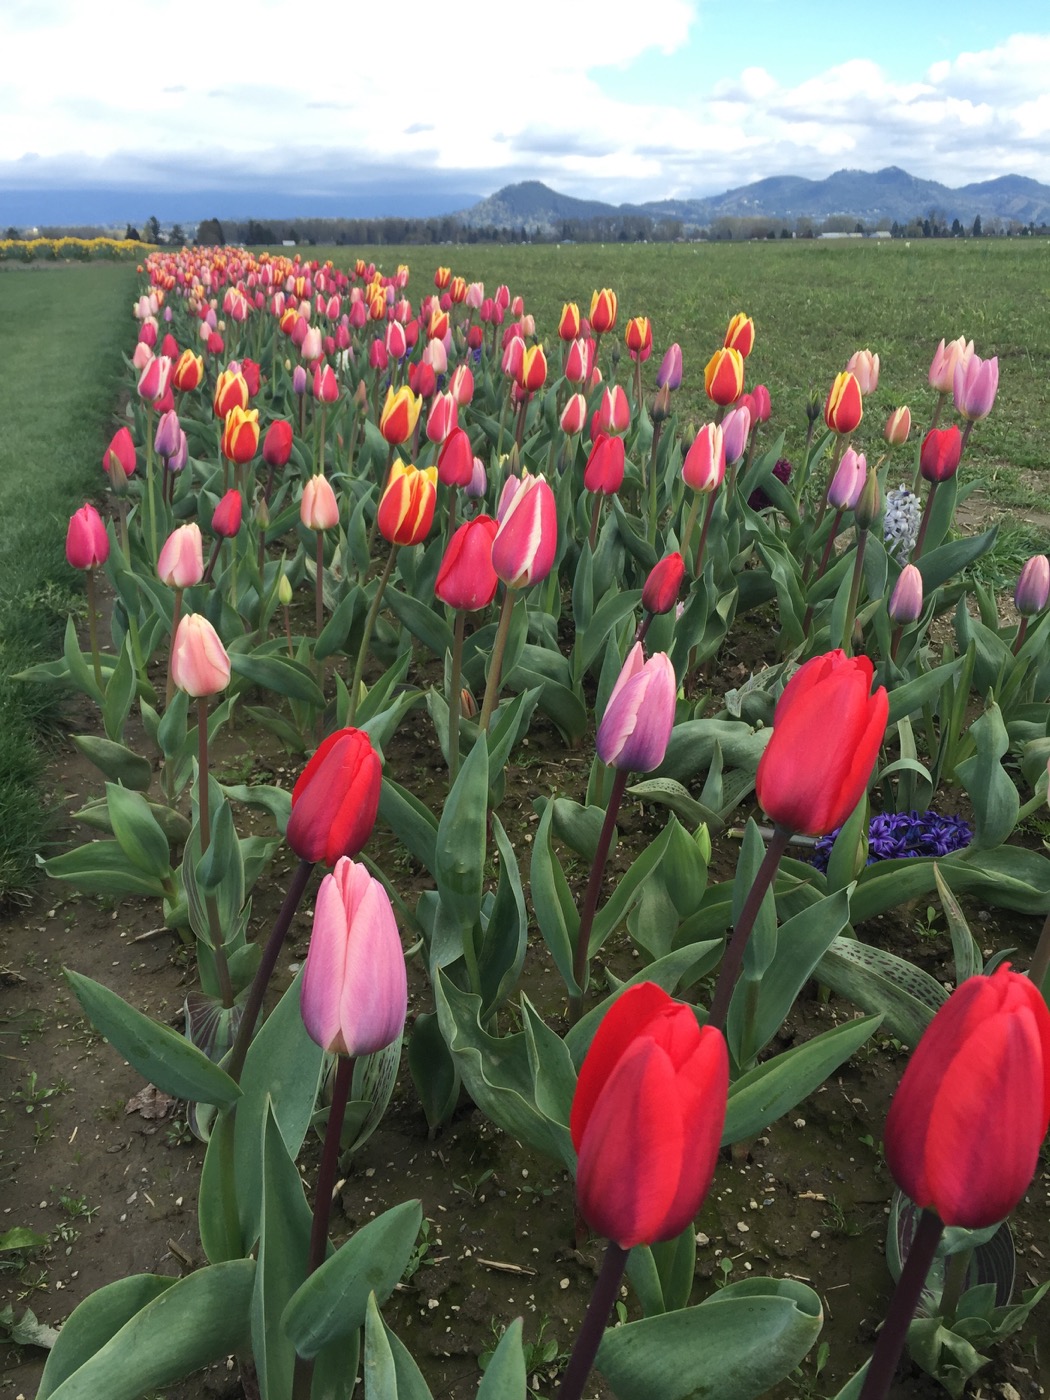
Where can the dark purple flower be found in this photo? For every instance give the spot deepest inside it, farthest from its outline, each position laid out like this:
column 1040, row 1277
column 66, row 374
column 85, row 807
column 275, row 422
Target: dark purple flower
column 900, row 835
column 758, row 500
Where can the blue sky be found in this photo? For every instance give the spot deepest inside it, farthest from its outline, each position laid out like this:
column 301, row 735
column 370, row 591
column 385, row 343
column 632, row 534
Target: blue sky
column 666, row 97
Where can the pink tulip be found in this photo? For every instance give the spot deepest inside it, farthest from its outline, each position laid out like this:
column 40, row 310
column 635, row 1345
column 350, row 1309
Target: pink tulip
column 442, row 418
column 848, row 481
column 180, row 563
column 945, row 359
column 354, row 992
column 614, row 412
column 199, row 663
column 736, row 426
column 864, row 366
column 527, row 540
column 87, row 544
column 319, row 509
column 975, row 386
column 704, row 467
column 637, row 723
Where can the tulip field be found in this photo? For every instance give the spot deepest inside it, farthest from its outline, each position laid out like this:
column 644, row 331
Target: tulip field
column 539, row 884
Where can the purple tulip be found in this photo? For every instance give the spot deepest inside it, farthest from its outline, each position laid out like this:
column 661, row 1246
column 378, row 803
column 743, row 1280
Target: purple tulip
column 848, row 481
column 906, row 599
column 1033, row 586
column 670, row 372
column 636, row 727
column 975, row 386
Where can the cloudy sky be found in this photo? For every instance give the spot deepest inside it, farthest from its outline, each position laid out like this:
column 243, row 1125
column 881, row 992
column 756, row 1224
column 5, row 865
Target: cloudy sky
column 622, row 101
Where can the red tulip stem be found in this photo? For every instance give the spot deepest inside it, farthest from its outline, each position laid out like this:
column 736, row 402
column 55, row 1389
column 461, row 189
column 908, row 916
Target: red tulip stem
column 93, row 629
column 218, row 949
column 499, row 646
column 455, row 704
column 1019, row 639
column 734, row 954
column 581, row 956
column 836, row 457
column 370, row 622
column 212, row 560
column 902, row 1307
column 263, row 973
column 344, row 1074
column 592, row 1329
column 920, row 539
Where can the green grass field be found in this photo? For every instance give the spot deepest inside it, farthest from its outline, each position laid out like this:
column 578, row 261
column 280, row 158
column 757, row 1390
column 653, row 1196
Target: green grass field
column 65, row 329
column 813, row 303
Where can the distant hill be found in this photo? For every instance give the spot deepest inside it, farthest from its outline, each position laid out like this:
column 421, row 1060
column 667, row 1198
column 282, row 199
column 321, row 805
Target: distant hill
column 890, row 194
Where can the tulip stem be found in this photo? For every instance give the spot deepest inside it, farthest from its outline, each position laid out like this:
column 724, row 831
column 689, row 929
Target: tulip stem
column 653, row 483
column 344, row 1073
column 687, row 533
column 176, row 614
column 595, row 513
column 921, row 537
column 499, row 646
column 319, row 588
column 854, row 593
column 218, row 949
column 902, row 1307
column 370, row 622
column 455, row 705
column 698, row 565
column 1041, row 961
column 263, row 973
column 592, row 1329
column 581, row 956
column 93, row 631
column 734, row 954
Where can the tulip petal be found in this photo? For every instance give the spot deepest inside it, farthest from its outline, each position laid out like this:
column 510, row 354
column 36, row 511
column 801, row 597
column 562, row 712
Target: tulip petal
column 325, row 961
column 622, row 1023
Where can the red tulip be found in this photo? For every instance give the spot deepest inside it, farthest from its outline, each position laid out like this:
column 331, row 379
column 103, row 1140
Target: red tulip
column 647, row 1118
column 569, row 325
column 704, row 467
column 724, row 376
column 277, row 444
column 844, row 407
column 326, row 386
column 827, row 729
column 406, row 508
column 188, row 372
column 740, row 334
column 400, row 415
column 336, row 799
column 603, row 311
column 638, row 337
column 121, row 447
column 965, row 1127
column 605, row 465
column 466, row 578
column 87, row 544
column 661, row 588
column 527, row 540
column 226, row 518
column 455, row 462
column 240, row 434
column 940, row 453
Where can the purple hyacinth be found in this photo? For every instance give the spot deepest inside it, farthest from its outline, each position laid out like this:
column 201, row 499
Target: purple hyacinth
column 758, row 500
column 900, row 835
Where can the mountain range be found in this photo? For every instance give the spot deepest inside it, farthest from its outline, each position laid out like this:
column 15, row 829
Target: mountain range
column 883, row 195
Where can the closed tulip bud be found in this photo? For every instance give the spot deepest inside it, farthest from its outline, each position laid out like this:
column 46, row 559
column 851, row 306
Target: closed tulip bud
column 188, row 372
column 461, row 385
column 455, row 464
column 740, row 334
column 299, row 381
column 312, row 347
column 87, row 544
column 121, row 450
column 940, row 453
column 965, row 1127
column 662, row 587
column 864, row 366
column 326, row 385
column 181, row 560
column 847, row 484
column 400, row 415
column 153, row 381
column 638, row 719
column 395, row 341
column 577, row 362
column 502, row 297
column 240, row 434
column 181, row 455
column 438, row 324
column 166, row 438
column 905, row 603
column 527, row 540
column 378, row 357
column 647, row 1118
column 1033, row 586
column 406, row 508
column 669, row 375
column 513, row 356
column 569, row 324
column 442, row 277
column 226, row 518
column 975, row 387
column 898, row 427
column 354, row 993
column 231, row 391
column 533, row 372
column 614, row 411
column 704, row 467
column 661, row 409
column 336, row 799
column 867, row 509
column 466, row 578
column 252, row 375
column 142, row 355
column 603, row 311
column 277, row 444
column 827, row 731
column 605, row 465
column 284, row 590
column 436, row 356
column 638, row 337
column 421, row 380
column 442, row 418
column 945, row 360
column 843, row 408
column 724, row 376
column 457, row 290
column 736, row 426
column 199, row 663
column 318, row 508
column 573, row 415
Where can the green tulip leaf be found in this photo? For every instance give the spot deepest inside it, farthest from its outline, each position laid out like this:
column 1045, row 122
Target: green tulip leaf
column 505, row 1377
column 101, row 867
column 117, row 763
column 734, row 1346
column 390, row 1373
column 280, row 673
column 160, row 1054
column 879, row 981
